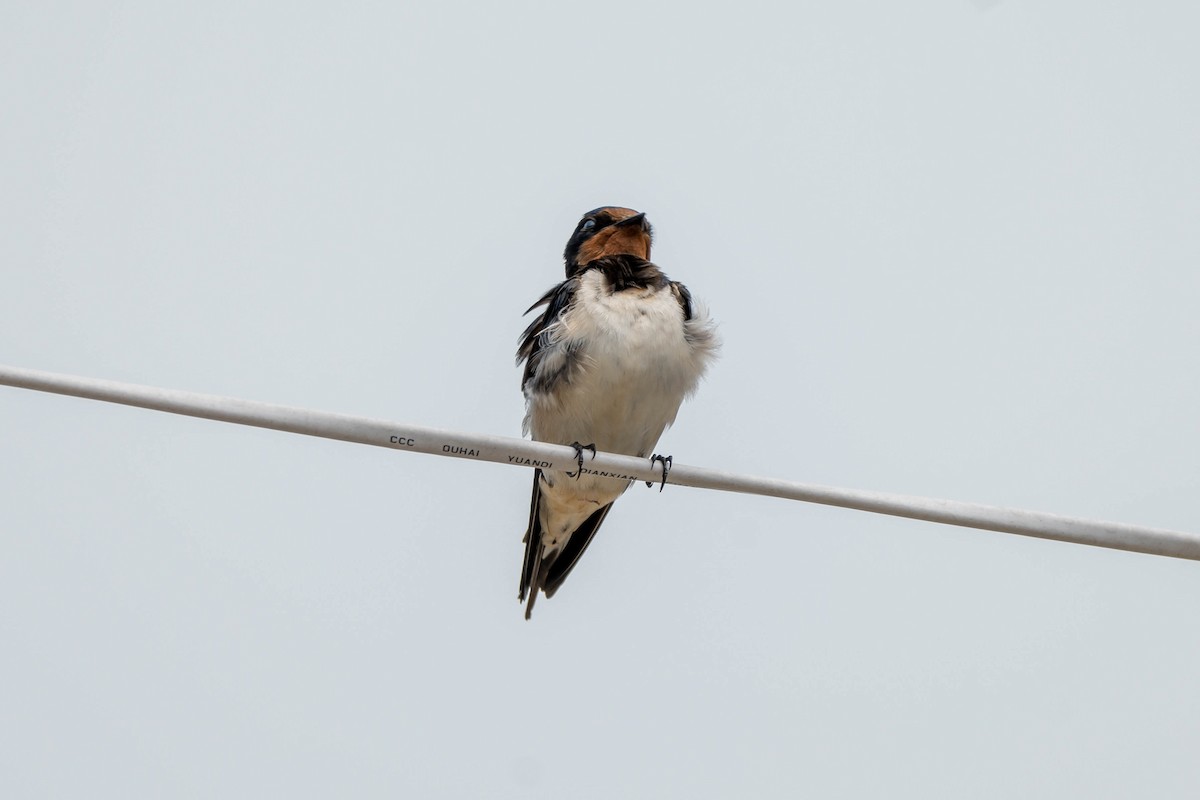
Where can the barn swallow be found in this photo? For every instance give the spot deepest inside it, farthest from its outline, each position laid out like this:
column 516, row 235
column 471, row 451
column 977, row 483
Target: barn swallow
column 617, row 349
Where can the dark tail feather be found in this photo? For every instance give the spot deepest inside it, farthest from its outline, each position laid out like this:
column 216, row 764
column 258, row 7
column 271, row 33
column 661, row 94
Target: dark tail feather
column 540, row 574
column 533, row 547
column 557, row 570
column 533, row 592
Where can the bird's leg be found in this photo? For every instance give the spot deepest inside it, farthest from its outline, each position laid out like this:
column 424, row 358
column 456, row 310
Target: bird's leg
column 666, row 465
column 579, row 448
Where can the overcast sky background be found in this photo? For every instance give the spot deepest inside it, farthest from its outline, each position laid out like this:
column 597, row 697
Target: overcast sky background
column 953, row 248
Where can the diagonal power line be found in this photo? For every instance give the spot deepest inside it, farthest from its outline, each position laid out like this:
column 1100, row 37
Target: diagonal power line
column 519, row 452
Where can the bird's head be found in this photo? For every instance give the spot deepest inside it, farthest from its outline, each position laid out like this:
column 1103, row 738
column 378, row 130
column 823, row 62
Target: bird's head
column 608, row 231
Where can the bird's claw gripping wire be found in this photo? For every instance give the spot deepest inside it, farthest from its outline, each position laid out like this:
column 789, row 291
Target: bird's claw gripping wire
column 666, row 465
column 579, row 448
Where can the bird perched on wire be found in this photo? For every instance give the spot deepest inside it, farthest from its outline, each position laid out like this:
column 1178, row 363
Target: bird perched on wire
column 607, row 366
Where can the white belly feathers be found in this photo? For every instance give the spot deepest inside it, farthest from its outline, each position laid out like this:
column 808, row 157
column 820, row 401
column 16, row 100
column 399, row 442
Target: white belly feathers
column 635, row 367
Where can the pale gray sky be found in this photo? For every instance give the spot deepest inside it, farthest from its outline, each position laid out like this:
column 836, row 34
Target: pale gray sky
column 953, row 249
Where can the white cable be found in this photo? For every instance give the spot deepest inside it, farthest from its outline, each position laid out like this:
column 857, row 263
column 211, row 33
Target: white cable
column 506, row 450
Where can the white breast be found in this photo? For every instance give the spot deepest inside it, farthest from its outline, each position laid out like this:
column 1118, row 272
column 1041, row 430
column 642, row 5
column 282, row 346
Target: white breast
column 637, row 365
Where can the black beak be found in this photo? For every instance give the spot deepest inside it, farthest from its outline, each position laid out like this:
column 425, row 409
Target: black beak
column 636, row 219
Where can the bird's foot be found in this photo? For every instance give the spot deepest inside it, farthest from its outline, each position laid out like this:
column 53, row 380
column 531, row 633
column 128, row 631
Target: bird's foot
column 666, row 465
column 579, row 448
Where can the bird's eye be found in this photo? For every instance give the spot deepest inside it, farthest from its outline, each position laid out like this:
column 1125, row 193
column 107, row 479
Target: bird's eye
column 587, row 225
